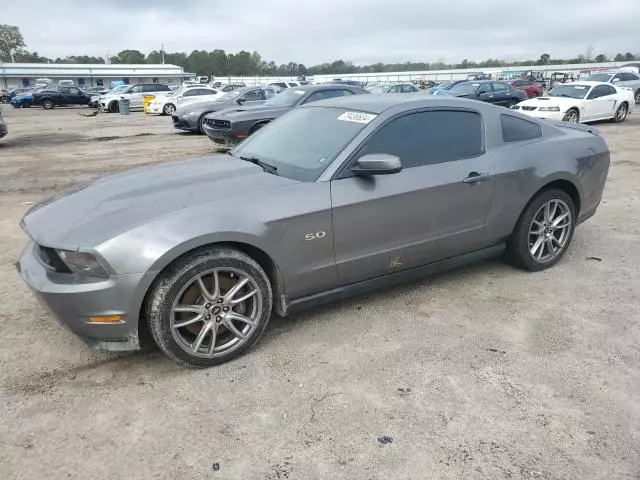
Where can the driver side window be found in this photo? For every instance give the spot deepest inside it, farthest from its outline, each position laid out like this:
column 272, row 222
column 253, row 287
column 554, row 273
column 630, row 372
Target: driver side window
column 251, row 96
column 601, row 91
column 136, row 89
column 485, row 88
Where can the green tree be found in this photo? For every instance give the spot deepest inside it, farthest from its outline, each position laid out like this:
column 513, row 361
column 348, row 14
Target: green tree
column 618, row 58
column 129, row 57
column 544, row 59
column 629, row 56
column 11, row 41
column 601, row 58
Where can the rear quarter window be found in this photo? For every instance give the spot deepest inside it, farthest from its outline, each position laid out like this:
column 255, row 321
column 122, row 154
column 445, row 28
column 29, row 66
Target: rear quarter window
column 516, row 129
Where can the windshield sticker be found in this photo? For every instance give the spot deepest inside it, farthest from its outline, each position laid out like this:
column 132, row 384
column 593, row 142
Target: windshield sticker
column 358, row 117
column 299, row 92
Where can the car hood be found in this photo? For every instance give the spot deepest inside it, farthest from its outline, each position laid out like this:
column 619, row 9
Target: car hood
column 90, row 214
column 252, row 113
column 550, row 101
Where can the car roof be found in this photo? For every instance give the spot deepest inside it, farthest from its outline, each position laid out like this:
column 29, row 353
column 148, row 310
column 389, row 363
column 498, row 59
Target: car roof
column 324, row 86
column 379, row 103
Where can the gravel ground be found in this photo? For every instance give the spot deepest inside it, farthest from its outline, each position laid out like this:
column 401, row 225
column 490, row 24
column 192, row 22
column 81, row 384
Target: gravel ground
column 484, row 372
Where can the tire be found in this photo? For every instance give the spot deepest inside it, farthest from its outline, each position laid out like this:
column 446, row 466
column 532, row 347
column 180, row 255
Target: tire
column 4, row 99
column 621, row 113
column 201, row 123
column 512, row 102
column 178, row 286
column 572, row 116
column 168, row 109
column 637, row 97
column 47, row 104
column 114, row 107
column 523, row 241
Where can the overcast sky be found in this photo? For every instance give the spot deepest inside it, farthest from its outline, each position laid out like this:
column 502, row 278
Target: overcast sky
column 316, row 31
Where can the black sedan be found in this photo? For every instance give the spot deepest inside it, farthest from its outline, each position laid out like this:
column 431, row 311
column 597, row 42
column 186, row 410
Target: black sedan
column 490, row 91
column 233, row 125
column 58, row 96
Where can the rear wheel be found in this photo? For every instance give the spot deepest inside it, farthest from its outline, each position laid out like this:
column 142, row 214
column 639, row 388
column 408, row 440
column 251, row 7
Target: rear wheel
column 209, row 307
column 544, row 231
column 637, row 97
column 114, row 107
column 572, row 116
column 47, row 104
column 4, row 99
column 621, row 113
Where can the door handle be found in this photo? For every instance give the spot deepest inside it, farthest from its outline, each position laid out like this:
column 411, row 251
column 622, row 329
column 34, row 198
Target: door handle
column 475, row 177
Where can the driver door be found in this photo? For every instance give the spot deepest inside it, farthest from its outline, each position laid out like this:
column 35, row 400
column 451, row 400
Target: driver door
column 429, row 211
column 485, row 92
column 600, row 102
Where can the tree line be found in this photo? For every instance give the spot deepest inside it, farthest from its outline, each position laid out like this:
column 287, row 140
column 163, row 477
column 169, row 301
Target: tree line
column 220, row 63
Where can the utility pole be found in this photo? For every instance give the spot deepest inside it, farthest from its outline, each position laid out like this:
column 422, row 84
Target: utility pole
column 162, row 49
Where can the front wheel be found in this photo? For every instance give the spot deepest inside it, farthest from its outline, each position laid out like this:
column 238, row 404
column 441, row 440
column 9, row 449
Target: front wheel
column 209, row 307
column 47, row 104
column 543, row 232
column 114, row 107
column 572, row 116
column 637, row 97
column 169, row 109
column 4, row 99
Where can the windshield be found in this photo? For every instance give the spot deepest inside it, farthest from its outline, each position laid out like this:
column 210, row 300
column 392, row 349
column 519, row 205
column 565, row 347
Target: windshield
column 119, row 89
column 445, row 85
column 378, row 89
column 304, row 142
column 570, row 91
column 464, row 88
column 227, row 97
column 599, row 77
column 287, row 98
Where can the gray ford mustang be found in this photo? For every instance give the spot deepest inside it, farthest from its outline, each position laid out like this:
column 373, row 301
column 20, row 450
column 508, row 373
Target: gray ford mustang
column 333, row 198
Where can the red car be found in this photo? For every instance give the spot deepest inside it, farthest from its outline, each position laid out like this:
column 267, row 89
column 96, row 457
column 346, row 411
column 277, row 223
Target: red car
column 531, row 88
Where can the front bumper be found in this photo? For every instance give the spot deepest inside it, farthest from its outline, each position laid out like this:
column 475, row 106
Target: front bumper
column 224, row 138
column 73, row 299
column 543, row 115
column 185, row 123
column 156, row 109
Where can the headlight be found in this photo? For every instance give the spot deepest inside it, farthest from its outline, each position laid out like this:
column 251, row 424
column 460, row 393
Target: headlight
column 82, row 263
column 193, row 114
column 549, row 109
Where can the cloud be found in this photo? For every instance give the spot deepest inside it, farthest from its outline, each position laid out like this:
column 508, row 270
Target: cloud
column 316, row 31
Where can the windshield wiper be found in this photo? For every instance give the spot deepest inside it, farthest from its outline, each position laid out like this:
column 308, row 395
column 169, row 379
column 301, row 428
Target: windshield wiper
column 265, row 166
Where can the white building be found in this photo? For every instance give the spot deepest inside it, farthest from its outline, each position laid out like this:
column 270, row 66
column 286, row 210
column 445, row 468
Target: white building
column 14, row 75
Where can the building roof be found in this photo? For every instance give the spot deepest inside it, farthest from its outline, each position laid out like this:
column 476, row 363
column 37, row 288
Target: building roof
column 89, row 70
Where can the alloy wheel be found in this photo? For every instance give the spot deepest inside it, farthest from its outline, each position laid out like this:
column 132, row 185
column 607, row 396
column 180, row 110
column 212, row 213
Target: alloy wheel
column 621, row 114
column 216, row 312
column 572, row 117
column 549, row 231
column 637, row 97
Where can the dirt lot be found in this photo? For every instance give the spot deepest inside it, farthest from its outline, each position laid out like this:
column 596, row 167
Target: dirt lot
column 485, row 372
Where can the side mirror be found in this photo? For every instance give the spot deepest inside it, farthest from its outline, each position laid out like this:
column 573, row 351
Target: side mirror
column 615, row 80
column 377, row 164
column 241, row 100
